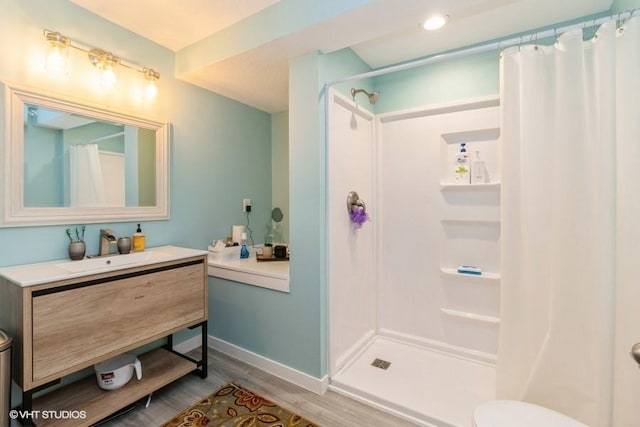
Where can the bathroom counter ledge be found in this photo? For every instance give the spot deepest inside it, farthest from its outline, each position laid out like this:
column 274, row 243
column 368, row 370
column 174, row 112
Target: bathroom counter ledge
column 270, row 275
column 50, row 271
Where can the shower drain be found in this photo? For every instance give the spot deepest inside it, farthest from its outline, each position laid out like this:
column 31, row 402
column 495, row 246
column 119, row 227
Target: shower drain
column 382, row 364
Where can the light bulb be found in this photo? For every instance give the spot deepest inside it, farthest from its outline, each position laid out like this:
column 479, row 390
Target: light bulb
column 105, row 62
column 107, row 76
column 150, row 87
column 55, row 60
column 150, row 90
column 57, row 52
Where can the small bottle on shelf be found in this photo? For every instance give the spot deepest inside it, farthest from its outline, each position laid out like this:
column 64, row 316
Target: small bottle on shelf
column 461, row 167
column 244, row 251
column 478, row 170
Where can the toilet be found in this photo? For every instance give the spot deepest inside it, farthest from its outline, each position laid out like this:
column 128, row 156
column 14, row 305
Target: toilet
column 511, row 413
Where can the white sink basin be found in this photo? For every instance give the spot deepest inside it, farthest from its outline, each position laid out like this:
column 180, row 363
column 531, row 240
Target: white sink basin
column 101, row 263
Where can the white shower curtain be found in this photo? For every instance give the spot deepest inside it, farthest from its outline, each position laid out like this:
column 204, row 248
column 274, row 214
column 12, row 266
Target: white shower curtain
column 560, row 106
column 85, row 176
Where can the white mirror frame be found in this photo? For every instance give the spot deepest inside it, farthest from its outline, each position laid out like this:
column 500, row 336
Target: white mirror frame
column 15, row 214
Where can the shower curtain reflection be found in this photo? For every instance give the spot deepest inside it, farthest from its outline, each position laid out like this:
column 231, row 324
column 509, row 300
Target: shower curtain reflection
column 85, row 176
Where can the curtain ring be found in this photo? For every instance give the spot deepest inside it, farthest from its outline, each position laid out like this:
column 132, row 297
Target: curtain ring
column 620, row 23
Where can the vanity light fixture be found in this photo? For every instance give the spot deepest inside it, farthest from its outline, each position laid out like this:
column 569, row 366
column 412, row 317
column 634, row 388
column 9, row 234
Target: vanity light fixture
column 57, row 52
column 150, row 78
column 106, row 62
column 435, row 22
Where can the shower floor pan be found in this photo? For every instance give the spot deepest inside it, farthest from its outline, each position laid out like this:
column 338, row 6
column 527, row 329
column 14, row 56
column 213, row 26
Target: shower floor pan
column 427, row 387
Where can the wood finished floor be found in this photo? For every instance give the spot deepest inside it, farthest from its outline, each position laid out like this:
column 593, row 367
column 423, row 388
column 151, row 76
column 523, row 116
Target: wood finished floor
column 329, row 410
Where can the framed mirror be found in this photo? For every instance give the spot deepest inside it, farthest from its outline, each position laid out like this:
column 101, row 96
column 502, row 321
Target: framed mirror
column 65, row 162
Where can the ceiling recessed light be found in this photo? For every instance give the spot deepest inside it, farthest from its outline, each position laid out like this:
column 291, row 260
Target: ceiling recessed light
column 435, row 22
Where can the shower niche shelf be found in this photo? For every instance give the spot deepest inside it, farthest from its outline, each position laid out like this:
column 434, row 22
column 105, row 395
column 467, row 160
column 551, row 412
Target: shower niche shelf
column 471, row 221
column 474, row 187
column 492, row 320
column 484, row 142
column 485, row 276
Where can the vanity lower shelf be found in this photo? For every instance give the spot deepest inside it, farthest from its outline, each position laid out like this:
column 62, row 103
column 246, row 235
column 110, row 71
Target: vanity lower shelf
column 159, row 368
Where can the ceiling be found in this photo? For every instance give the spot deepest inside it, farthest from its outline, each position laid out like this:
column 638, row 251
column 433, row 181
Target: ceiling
column 241, row 48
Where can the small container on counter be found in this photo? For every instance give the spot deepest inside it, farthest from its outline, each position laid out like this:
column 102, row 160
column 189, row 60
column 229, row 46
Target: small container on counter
column 138, row 240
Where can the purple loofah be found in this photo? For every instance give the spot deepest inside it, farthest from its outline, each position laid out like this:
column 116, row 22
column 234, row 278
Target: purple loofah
column 358, row 216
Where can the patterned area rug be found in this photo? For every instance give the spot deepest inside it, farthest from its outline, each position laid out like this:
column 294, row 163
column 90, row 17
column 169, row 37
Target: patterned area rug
column 236, row 406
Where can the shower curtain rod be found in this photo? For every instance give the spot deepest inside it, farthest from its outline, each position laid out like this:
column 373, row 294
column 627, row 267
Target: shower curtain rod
column 102, row 138
column 531, row 37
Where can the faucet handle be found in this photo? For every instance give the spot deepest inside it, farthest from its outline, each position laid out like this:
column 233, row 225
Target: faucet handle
column 109, row 235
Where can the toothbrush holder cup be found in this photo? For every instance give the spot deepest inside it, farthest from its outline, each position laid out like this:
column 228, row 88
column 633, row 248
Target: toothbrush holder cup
column 77, row 250
column 124, row 245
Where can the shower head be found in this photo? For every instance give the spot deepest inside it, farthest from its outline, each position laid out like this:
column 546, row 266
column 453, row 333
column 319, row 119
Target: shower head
column 373, row 96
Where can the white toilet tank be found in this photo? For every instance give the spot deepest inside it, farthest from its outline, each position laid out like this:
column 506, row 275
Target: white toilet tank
column 511, row 413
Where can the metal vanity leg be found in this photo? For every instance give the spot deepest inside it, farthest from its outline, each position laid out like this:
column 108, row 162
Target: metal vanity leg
column 169, row 345
column 27, row 407
column 205, row 351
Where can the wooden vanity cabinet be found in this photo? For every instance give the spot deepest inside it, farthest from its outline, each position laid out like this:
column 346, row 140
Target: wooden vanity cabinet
column 65, row 326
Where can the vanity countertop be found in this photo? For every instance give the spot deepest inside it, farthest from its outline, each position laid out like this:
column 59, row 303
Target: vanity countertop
column 50, row 271
column 271, row 275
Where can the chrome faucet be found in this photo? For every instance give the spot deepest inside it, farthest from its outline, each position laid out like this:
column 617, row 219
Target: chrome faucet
column 107, row 240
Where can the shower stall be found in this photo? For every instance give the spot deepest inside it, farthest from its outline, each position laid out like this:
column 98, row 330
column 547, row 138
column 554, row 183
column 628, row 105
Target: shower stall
column 407, row 332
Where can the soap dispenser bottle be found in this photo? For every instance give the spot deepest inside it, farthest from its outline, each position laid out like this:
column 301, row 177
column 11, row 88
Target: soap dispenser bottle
column 244, row 252
column 478, row 170
column 461, row 167
column 138, row 240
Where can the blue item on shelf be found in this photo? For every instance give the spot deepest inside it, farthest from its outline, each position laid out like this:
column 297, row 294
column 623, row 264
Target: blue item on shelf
column 468, row 269
column 244, row 252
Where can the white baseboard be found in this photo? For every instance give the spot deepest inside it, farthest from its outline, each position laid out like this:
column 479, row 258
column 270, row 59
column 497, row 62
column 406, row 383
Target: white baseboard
column 306, row 381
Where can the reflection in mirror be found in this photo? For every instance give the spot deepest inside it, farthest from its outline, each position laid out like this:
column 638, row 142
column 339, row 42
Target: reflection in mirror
column 65, row 162
column 75, row 160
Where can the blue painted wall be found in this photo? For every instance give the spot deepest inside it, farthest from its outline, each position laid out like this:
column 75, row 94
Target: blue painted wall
column 465, row 78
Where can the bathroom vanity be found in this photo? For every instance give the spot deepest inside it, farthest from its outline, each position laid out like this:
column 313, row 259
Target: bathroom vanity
column 67, row 316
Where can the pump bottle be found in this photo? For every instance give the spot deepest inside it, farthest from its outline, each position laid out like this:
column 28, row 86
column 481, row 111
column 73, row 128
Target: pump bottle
column 138, row 240
column 461, row 167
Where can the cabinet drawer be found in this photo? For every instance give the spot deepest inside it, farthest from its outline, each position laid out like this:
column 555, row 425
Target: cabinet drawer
column 76, row 327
